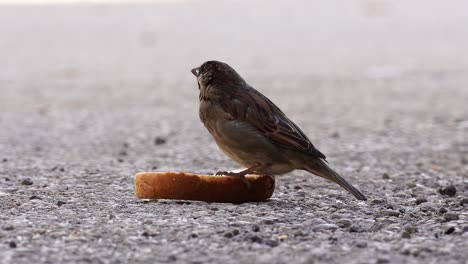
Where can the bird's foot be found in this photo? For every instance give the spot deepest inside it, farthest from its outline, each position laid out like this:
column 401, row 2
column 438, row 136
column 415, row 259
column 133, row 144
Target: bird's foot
column 241, row 175
column 243, row 172
column 230, row 173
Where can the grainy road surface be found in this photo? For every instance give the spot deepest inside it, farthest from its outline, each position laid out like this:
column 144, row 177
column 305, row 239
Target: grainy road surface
column 381, row 87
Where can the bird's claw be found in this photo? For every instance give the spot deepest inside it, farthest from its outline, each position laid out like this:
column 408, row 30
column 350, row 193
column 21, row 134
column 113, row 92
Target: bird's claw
column 229, row 173
column 235, row 174
column 221, row 173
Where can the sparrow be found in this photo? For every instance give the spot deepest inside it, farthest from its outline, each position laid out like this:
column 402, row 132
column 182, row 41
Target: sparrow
column 250, row 129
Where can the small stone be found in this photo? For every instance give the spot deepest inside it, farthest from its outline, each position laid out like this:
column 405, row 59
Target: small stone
column 449, row 230
column 255, row 228
column 377, row 226
column 410, row 229
column 299, row 233
column 377, row 201
column 450, row 217
column 62, row 169
column 60, row 203
column 123, row 153
column 271, row 243
column 391, row 213
column 421, row 199
column 27, row 182
column 449, row 190
column 316, row 221
column 154, row 167
column 268, row 221
column 301, row 194
column 442, row 210
column 235, row 232
column 282, row 237
column 5, row 160
column 406, row 250
column 335, row 135
column 333, row 240
column 464, row 161
column 361, row 244
column 159, row 141
column 9, row 228
column 464, row 201
column 34, row 197
column 330, row 227
column 405, row 234
column 12, row 244
column 120, row 160
column 297, row 187
column 465, row 229
column 172, row 258
column 382, row 261
column 356, row 229
column 254, row 238
column 228, row 235
column 344, row 223
column 385, row 176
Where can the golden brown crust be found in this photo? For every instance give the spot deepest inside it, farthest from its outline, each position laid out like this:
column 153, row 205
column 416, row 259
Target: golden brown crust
column 208, row 188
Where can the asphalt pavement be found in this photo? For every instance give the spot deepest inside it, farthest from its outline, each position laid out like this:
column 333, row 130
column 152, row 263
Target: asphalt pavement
column 91, row 94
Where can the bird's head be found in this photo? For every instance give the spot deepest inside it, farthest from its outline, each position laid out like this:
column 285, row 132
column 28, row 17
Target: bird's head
column 218, row 75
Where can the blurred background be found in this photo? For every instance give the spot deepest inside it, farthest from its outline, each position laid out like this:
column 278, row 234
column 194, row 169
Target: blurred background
column 78, row 74
column 84, row 76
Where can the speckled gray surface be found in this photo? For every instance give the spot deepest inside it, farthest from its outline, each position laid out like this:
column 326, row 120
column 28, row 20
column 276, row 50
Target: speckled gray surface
column 380, row 87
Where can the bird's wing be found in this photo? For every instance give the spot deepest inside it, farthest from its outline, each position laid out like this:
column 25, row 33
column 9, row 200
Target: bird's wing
column 251, row 106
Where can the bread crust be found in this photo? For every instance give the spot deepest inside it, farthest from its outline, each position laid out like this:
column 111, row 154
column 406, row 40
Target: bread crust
column 208, row 188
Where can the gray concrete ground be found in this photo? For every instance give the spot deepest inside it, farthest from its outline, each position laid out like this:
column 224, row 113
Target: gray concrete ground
column 379, row 86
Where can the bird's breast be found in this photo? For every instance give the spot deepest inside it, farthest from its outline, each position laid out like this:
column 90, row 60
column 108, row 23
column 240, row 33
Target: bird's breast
column 210, row 113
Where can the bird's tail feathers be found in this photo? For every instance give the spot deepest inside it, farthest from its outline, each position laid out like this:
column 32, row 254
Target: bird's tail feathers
column 320, row 168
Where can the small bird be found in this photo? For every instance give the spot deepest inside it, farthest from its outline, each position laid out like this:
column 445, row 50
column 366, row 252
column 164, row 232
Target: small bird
column 253, row 131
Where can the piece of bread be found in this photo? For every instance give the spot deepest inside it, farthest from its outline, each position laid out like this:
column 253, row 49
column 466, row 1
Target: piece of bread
column 208, row 188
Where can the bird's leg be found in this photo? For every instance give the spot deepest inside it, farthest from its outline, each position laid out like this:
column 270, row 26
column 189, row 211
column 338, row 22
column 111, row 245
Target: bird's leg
column 242, row 173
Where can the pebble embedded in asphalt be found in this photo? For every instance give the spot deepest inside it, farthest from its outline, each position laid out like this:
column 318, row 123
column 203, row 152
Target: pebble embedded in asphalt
column 160, row 141
column 27, row 182
column 448, row 190
column 451, row 217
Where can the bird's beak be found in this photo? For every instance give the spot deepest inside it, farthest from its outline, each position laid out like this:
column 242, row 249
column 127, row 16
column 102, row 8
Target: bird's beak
column 196, row 71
